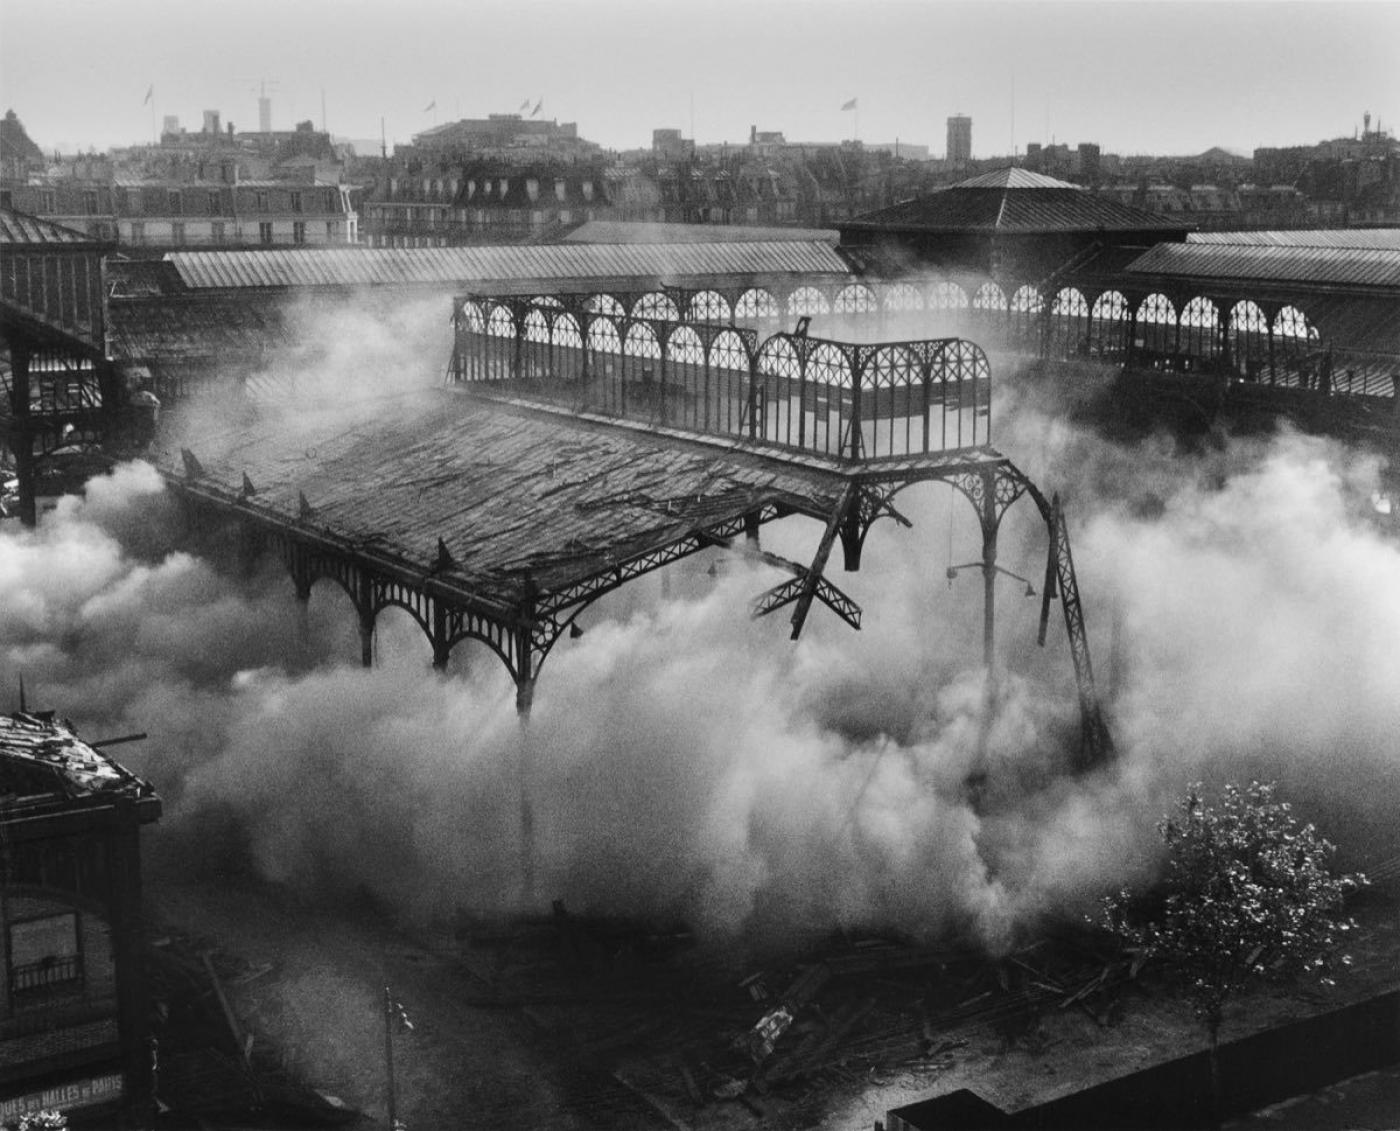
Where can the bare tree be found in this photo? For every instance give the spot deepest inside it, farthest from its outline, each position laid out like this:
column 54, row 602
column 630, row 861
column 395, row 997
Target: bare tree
column 1249, row 895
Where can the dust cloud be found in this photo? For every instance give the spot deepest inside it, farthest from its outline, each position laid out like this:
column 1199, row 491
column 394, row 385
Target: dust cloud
column 687, row 762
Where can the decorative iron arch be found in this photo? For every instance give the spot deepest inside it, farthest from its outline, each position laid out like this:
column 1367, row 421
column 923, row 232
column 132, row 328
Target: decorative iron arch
column 1248, row 333
column 382, row 603
column 807, row 300
column 855, row 298
column 656, row 304
column 947, row 295
column 605, row 304
column 903, row 297
column 683, row 345
column 641, row 340
column 1199, row 328
column 708, row 306
column 536, row 326
column 501, row 322
column 990, row 297
column 1109, row 323
column 757, row 304
column 318, row 570
column 473, row 317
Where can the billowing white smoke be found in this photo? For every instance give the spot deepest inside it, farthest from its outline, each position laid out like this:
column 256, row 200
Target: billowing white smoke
column 684, row 760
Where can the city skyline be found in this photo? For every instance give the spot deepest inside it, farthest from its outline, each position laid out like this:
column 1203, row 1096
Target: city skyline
column 1172, row 78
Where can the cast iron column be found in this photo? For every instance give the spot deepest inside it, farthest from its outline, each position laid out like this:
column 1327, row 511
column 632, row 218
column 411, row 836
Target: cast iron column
column 22, row 433
column 989, row 565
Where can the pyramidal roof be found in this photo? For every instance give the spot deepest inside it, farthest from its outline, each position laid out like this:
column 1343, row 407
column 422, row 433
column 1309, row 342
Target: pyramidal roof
column 1014, row 178
column 1013, row 201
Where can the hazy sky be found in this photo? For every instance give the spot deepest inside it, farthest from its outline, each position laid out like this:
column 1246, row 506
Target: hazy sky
column 1167, row 77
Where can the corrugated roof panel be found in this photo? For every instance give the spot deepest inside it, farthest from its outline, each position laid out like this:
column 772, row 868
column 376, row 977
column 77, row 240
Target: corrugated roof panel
column 631, row 232
column 1311, row 237
column 350, row 267
column 21, row 229
column 1338, row 266
column 508, row 489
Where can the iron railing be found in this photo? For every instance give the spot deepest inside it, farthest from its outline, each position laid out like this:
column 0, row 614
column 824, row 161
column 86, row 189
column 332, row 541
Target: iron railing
column 842, row 399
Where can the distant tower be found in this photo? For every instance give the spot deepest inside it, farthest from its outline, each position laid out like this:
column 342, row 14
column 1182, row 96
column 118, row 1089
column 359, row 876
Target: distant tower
column 211, row 121
column 264, row 114
column 959, row 139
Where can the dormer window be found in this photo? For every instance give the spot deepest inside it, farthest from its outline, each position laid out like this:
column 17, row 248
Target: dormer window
column 532, row 188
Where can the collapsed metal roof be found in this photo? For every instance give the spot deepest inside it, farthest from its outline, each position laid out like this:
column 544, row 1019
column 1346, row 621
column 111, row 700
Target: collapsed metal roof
column 586, row 265
column 510, row 489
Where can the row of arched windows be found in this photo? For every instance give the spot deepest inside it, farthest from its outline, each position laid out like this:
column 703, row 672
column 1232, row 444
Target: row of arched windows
column 791, row 389
column 1155, row 329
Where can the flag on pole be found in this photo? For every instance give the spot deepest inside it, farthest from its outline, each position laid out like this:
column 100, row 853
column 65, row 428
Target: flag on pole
column 536, row 110
column 150, row 93
column 430, row 106
column 524, row 106
column 851, row 105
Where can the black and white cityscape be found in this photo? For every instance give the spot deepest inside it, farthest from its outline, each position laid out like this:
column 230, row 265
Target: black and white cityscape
column 768, row 566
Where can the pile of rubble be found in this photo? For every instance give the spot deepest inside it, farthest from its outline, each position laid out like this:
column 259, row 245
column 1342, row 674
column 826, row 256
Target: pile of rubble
column 217, row 1059
column 684, row 1032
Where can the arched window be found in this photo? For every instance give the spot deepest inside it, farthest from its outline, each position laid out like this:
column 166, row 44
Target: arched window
column 1156, row 330
column 1069, row 324
column 902, row 297
column 708, row 306
column 756, row 304
column 1026, row 308
column 1200, row 328
column 1108, row 325
column 536, row 327
column 603, row 336
column 779, row 372
column 567, row 342
column 893, row 397
column 1292, row 325
column 1295, row 346
column 656, row 304
column 641, row 341
column 807, row 300
column 473, row 317
column 684, row 347
column 727, row 352
column 855, row 298
column 1027, row 300
column 1249, row 341
column 566, row 332
column 501, row 324
column 947, row 296
column 604, row 304
column 989, row 297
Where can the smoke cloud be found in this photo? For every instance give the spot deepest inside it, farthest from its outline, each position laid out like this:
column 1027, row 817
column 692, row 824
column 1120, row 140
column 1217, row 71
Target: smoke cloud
column 684, row 761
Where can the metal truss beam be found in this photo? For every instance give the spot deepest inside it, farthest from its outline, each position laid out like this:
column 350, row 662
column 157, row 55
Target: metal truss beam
column 813, row 582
